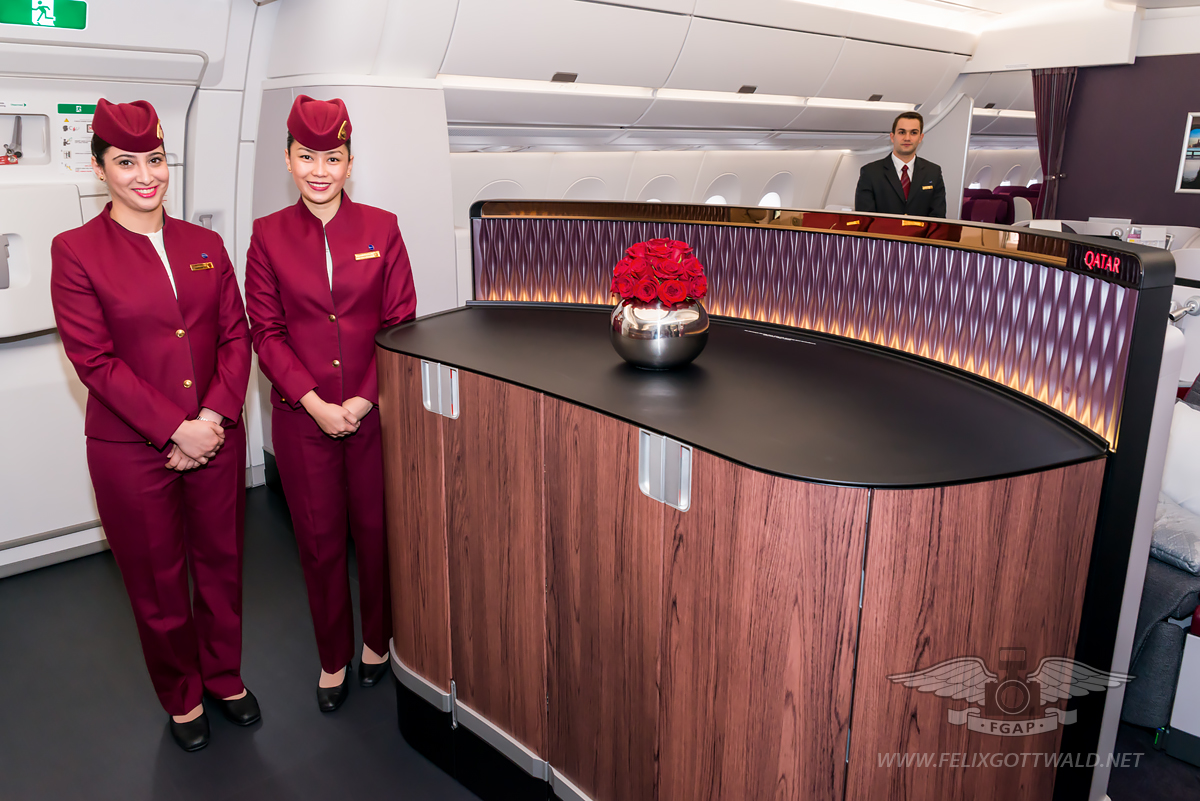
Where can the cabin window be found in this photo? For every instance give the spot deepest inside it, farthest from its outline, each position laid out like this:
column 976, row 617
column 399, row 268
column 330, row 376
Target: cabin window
column 1012, row 177
column 982, row 177
column 725, row 189
column 771, row 200
column 661, row 189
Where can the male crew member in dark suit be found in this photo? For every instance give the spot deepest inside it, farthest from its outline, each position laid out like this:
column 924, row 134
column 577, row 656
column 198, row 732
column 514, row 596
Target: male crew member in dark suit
column 902, row 182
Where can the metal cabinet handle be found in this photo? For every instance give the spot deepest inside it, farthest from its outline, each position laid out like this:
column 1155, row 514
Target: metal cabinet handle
column 439, row 389
column 665, row 470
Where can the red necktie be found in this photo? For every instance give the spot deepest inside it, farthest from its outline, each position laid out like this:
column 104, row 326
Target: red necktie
column 904, row 182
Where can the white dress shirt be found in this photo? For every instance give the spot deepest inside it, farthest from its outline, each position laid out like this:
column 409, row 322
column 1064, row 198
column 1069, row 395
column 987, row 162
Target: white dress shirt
column 328, row 259
column 156, row 239
column 900, row 164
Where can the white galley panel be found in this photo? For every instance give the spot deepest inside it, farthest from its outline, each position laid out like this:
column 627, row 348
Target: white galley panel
column 725, row 56
column 534, row 39
column 900, row 74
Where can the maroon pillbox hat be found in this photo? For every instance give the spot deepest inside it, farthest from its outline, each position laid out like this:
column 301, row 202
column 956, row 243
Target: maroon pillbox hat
column 128, row 126
column 319, row 124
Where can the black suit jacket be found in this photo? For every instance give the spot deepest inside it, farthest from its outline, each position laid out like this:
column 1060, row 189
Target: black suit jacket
column 879, row 189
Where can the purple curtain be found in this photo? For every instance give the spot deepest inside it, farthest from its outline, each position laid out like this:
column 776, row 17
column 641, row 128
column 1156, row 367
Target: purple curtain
column 1052, row 90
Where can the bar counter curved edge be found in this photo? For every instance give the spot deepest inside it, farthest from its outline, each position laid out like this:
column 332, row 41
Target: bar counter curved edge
column 566, row 621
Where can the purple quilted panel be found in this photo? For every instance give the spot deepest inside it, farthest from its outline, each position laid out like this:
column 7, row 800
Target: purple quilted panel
column 1059, row 337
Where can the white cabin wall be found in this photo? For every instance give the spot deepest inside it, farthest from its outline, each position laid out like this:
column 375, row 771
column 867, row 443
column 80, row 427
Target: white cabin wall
column 946, row 145
column 1169, row 32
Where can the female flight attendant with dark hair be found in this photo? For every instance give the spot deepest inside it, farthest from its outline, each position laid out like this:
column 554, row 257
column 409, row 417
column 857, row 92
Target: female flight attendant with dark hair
column 322, row 277
column 149, row 313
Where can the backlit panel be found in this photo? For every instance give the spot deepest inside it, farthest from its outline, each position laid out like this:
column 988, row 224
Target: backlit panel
column 1059, row 337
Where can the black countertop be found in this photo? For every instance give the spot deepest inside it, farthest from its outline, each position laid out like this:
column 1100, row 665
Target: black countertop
column 789, row 403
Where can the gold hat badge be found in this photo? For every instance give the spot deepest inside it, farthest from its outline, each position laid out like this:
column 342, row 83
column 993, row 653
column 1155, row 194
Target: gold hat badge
column 342, row 131
column 160, row 133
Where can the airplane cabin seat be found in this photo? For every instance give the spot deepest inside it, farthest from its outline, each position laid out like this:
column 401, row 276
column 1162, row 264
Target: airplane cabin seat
column 1169, row 596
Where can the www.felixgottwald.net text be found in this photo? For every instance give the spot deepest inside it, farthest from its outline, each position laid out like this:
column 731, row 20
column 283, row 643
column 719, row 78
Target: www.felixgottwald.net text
column 951, row 759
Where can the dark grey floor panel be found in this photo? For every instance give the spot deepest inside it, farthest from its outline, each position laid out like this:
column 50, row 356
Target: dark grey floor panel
column 79, row 718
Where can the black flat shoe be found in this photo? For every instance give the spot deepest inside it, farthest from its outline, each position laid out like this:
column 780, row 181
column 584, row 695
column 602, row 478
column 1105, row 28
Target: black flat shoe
column 330, row 698
column 242, row 711
column 369, row 675
column 193, row 735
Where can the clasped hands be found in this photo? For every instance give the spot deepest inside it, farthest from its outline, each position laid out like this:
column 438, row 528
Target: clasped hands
column 336, row 420
column 195, row 442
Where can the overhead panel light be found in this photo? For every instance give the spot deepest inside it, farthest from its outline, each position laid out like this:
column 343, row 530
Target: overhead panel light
column 1005, row 112
column 564, row 77
column 874, row 98
column 701, row 96
column 862, row 105
column 747, row 89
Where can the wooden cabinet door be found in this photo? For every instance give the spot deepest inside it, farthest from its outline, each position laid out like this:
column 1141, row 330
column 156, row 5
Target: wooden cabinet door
column 760, row 615
column 961, row 572
column 604, row 569
column 416, row 521
column 493, row 462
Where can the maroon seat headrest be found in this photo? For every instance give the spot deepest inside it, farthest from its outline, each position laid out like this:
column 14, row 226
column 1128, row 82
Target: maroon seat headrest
column 987, row 210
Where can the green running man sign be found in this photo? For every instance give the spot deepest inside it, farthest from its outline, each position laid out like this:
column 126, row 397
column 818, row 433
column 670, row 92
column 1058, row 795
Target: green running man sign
column 45, row 13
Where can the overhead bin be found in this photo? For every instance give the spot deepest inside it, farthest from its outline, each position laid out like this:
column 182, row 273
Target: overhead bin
column 650, row 139
column 99, row 63
column 474, row 101
column 723, row 111
column 479, row 137
column 1003, row 125
column 1003, row 89
column 899, row 74
column 672, row 6
column 820, row 118
column 820, row 17
column 535, row 39
column 725, row 56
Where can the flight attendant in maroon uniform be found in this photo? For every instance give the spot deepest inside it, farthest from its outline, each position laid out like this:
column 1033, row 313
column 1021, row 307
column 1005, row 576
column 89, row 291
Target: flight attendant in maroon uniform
column 149, row 313
column 322, row 277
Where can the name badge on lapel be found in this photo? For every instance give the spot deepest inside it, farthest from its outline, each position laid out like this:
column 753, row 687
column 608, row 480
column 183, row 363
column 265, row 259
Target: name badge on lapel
column 370, row 254
column 927, row 187
column 204, row 265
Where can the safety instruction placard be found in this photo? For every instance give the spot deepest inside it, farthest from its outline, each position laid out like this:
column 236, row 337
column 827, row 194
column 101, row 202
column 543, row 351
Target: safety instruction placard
column 71, row 135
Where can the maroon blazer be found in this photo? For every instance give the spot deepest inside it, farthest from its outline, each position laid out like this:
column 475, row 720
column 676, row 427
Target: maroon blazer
column 308, row 336
column 149, row 362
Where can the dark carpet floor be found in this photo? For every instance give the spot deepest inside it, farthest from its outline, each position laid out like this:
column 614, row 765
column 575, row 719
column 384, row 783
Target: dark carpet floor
column 79, row 718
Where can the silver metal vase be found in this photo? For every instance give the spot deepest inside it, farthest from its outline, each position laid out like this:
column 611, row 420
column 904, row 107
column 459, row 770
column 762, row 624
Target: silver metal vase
column 657, row 336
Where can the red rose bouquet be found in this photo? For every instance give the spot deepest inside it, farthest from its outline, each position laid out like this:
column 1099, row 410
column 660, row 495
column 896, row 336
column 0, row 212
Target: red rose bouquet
column 660, row 269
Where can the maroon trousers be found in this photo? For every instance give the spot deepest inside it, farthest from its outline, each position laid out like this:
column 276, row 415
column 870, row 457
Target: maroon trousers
column 159, row 524
column 329, row 484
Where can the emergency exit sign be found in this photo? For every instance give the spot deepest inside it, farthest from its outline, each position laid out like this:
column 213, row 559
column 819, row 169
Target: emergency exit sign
column 45, row 13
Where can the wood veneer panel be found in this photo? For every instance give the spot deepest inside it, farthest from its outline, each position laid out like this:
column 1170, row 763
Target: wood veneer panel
column 416, row 521
column 761, row 585
column 604, row 563
column 965, row 571
column 497, row 555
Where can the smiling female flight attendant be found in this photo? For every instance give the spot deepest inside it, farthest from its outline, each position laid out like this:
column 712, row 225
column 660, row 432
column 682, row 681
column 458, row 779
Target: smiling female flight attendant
column 149, row 313
column 322, row 277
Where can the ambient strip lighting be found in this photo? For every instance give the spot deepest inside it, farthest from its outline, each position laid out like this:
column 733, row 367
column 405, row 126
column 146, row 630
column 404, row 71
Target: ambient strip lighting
column 863, row 105
column 646, row 93
column 1005, row 112
column 548, row 87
